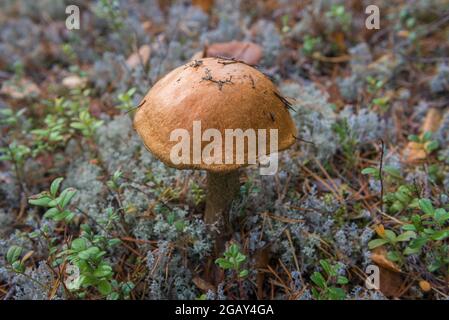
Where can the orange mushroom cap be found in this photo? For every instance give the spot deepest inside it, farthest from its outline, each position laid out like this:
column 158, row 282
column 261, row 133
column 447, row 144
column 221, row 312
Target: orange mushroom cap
column 222, row 94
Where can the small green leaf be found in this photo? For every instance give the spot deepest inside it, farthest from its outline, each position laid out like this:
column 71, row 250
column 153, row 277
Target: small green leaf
column 42, row 199
column 18, row 266
column 441, row 215
column 104, row 287
column 408, row 251
column 414, row 204
column 78, row 125
column 337, row 293
column 393, row 256
column 114, row 242
column 434, row 266
column 234, row 249
column 66, row 196
column 51, row 213
column 408, row 227
column 115, row 296
column 55, row 186
column 79, row 244
column 431, row 146
column 371, row 171
column 89, row 253
column 223, row 263
column 426, row 206
column 402, row 196
column 103, row 270
column 318, row 279
column 440, row 235
column 61, row 215
column 392, row 171
column 243, row 273
column 34, row 234
column 377, row 243
column 240, row 258
column 390, row 236
column 13, row 254
column 406, row 236
column 418, row 243
column 326, row 267
column 427, row 136
column 179, row 225
column 397, row 206
column 342, row 280
column 414, row 138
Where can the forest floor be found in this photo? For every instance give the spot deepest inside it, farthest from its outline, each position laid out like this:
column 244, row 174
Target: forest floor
column 365, row 194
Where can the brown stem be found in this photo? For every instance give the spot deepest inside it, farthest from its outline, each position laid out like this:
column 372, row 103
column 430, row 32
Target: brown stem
column 221, row 190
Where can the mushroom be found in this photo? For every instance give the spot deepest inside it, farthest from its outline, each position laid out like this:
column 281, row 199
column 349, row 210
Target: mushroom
column 222, row 94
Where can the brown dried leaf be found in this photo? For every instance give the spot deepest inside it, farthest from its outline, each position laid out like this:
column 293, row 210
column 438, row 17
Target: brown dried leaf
column 205, row 5
column 391, row 283
column 379, row 257
column 142, row 56
column 415, row 151
column 203, row 284
column 27, row 256
column 248, row 52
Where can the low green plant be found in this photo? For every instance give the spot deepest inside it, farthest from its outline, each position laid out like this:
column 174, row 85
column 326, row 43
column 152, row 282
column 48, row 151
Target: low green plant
column 10, row 117
column 126, row 100
column 86, row 124
column 374, row 84
column 431, row 229
column 110, row 11
column 16, row 153
column 56, row 202
column 52, row 136
column 13, row 259
column 327, row 282
column 198, row 193
column 348, row 142
column 341, row 16
column 393, row 240
column 404, row 196
column 15, row 262
column 426, row 229
column 115, row 181
column 382, row 102
column 233, row 259
column 87, row 266
column 311, row 44
column 92, row 270
column 86, row 256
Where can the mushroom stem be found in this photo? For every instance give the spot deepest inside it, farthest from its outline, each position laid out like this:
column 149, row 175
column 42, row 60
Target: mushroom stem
column 221, row 190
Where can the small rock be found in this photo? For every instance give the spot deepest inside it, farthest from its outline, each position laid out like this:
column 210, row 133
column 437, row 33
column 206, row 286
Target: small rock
column 74, row 81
